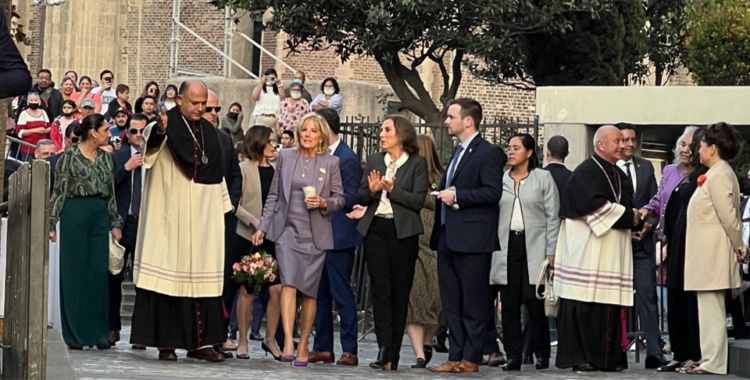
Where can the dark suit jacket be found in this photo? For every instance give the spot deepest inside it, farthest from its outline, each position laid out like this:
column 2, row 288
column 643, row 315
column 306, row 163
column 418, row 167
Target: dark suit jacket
column 328, row 186
column 52, row 163
column 344, row 229
column 407, row 197
column 123, row 181
column 560, row 174
column 232, row 172
column 646, row 188
column 478, row 180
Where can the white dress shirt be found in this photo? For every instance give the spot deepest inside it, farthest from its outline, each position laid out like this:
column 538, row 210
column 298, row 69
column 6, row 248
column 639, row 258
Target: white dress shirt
column 630, row 171
column 133, row 152
column 384, row 207
column 332, row 147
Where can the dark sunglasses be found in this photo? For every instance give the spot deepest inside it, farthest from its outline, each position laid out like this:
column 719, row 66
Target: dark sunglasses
column 212, row 109
column 75, row 139
column 107, row 79
column 136, row 131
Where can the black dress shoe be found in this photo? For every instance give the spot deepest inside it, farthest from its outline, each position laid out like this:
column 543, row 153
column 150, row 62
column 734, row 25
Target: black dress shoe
column 208, row 354
column 439, row 345
column 496, row 359
column 427, row 355
column 106, row 346
column 542, row 363
column 227, row 355
column 421, row 363
column 512, row 365
column 74, row 346
column 256, row 336
column 654, row 362
column 528, row 360
column 584, row 368
column 167, row 355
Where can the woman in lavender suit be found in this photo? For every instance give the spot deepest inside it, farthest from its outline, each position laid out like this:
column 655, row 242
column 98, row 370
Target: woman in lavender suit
column 665, row 206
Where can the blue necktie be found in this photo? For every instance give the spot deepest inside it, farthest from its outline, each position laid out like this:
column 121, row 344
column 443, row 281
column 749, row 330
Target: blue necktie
column 449, row 179
column 135, row 196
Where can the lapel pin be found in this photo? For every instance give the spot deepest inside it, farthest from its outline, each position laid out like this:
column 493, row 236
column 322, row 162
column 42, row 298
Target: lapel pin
column 323, row 170
column 320, row 179
column 471, row 149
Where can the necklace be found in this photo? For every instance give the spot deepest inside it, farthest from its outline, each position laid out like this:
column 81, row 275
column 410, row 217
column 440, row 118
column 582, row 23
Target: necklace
column 305, row 165
column 204, row 158
column 619, row 184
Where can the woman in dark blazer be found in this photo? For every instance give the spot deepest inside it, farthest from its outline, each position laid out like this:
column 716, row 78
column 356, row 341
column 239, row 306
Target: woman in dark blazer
column 528, row 228
column 393, row 189
column 300, row 225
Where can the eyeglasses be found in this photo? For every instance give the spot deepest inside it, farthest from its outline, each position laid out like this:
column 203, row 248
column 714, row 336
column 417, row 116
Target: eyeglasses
column 135, row 131
column 212, row 109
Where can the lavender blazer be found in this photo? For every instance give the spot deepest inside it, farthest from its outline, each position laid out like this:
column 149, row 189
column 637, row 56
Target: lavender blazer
column 327, row 185
column 671, row 178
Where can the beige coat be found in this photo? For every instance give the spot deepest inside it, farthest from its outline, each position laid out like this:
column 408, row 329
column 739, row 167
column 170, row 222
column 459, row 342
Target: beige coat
column 714, row 232
column 251, row 201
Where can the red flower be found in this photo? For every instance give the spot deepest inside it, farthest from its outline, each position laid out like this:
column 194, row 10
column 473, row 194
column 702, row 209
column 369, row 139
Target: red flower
column 701, row 179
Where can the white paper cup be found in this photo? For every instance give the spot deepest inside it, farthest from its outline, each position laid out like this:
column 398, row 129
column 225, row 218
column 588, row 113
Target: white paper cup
column 309, row 191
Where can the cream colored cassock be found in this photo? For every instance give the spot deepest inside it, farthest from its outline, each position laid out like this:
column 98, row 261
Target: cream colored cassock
column 593, row 261
column 180, row 247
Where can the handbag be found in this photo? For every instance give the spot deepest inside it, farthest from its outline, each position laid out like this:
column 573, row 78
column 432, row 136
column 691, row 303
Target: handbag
column 116, row 256
column 546, row 279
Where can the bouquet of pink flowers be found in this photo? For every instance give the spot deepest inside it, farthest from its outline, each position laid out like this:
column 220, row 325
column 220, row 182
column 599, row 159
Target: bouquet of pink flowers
column 256, row 271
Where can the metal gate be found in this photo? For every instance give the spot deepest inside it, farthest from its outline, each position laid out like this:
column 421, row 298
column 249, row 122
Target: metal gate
column 25, row 333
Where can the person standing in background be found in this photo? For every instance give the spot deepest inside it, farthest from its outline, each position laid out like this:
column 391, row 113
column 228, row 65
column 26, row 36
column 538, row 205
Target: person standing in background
column 267, row 95
column 232, row 123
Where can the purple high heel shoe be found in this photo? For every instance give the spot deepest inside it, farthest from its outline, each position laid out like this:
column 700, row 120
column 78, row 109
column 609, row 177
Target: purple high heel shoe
column 287, row 358
column 298, row 363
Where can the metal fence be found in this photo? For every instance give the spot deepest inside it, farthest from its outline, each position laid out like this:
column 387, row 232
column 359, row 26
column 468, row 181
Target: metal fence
column 25, row 331
column 363, row 134
column 13, row 150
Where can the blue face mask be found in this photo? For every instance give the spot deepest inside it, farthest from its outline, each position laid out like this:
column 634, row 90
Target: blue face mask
column 297, row 81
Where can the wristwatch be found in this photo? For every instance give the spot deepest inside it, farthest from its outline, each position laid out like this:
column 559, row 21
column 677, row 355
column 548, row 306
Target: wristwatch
column 455, row 200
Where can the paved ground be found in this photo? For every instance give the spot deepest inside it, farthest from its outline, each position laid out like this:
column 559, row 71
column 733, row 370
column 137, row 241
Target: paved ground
column 123, row 363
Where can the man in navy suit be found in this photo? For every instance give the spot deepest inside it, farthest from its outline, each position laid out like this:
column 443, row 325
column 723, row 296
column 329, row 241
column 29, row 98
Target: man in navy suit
column 465, row 234
column 129, row 175
column 233, row 178
column 641, row 173
column 337, row 271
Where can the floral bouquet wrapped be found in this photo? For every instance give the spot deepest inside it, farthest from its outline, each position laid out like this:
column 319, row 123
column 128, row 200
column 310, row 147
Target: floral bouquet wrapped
column 255, row 272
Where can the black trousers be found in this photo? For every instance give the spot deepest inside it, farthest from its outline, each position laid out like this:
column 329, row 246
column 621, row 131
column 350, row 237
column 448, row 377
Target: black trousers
column 465, row 294
column 390, row 263
column 129, row 234
column 519, row 292
column 684, row 331
column 232, row 255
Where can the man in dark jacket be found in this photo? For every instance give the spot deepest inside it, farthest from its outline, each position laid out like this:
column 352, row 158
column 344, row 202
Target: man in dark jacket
column 47, row 91
column 14, row 74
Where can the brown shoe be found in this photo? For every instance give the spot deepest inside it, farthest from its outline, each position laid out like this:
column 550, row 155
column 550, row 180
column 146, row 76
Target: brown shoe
column 321, row 357
column 496, row 359
column 138, row 347
column 466, row 367
column 348, row 359
column 167, row 355
column 208, row 354
column 446, row 367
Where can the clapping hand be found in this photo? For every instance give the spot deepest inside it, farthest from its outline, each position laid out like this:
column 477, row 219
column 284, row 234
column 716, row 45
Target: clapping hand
column 375, row 182
column 387, row 185
column 358, row 211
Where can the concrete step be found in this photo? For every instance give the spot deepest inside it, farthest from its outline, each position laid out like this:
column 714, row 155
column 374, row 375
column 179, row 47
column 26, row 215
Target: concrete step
column 739, row 357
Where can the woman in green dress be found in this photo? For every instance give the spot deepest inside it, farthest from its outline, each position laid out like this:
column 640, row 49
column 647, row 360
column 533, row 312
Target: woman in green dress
column 83, row 200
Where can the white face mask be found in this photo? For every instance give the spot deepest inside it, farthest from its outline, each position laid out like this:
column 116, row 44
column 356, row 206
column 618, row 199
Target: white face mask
column 328, row 90
column 296, row 94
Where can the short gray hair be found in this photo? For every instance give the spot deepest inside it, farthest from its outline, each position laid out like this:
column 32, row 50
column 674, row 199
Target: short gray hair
column 689, row 130
column 42, row 142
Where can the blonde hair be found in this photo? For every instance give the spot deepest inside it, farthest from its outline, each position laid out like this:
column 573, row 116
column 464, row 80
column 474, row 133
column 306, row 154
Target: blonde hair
column 428, row 151
column 322, row 126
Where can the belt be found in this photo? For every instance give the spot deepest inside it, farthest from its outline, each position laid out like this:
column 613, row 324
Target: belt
column 384, row 216
column 131, row 218
column 517, row 233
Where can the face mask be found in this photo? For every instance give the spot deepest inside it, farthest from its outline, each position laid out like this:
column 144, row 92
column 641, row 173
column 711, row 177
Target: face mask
column 34, row 106
column 328, row 90
column 232, row 115
column 296, row 94
column 67, row 114
column 298, row 81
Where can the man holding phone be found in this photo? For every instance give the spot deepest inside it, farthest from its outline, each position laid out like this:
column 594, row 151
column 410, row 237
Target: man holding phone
column 129, row 175
column 105, row 94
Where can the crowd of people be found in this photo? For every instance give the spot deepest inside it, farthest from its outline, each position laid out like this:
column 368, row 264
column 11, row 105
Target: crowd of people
column 188, row 192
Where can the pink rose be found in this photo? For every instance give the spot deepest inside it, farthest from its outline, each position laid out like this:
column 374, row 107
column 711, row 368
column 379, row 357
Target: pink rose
column 246, row 268
column 236, row 267
column 261, row 264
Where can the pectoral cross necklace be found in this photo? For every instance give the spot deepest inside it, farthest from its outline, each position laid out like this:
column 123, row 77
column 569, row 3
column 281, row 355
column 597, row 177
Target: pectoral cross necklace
column 204, row 158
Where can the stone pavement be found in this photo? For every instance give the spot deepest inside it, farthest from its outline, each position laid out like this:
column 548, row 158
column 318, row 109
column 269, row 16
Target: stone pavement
column 121, row 362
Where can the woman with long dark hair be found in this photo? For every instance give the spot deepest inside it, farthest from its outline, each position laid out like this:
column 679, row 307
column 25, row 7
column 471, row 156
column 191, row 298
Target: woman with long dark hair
column 151, row 89
column 168, row 99
column 83, row 201
column 61, row 123
column 84, row 92
column 267, row 96
column 425, row 310
column 528, row 228
column 394, row 190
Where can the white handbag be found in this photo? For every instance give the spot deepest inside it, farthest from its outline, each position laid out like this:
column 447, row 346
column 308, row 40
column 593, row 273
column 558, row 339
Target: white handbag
column 116, row 256
column 546, row 279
